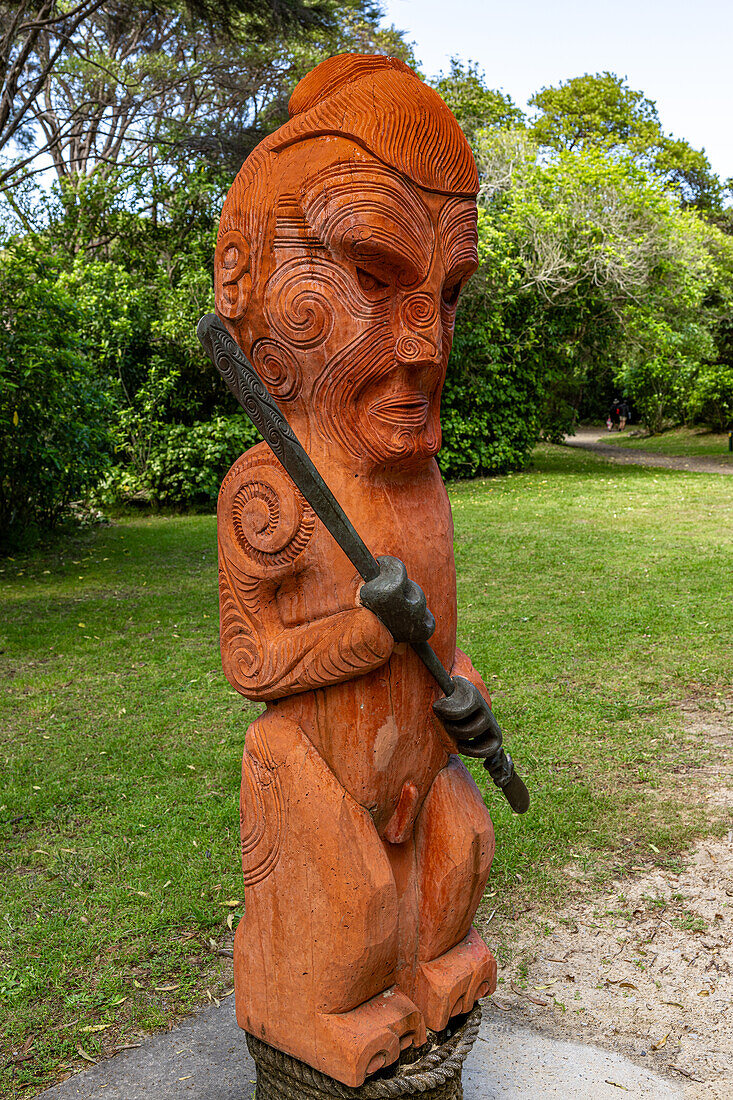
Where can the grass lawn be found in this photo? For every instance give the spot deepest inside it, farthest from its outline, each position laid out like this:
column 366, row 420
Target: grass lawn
column 694, row 442
column 593, row 598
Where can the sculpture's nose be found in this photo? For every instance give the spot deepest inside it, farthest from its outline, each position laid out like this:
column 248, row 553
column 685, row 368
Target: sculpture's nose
column 420, row 337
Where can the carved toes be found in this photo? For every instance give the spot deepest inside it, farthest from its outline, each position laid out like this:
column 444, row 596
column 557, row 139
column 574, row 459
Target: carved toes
column 364, row 1040
column 452, row 983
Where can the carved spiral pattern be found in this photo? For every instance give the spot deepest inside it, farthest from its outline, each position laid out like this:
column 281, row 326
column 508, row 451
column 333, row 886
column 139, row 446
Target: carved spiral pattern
column 419, row 311
column 297, row 307
column 300, row 296
column 266, row 528
column 408, row 349
column 269, row 520
column 278, row 369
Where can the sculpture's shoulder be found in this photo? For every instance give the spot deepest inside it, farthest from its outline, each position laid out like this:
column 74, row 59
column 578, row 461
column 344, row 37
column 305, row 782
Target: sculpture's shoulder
column 264, row 521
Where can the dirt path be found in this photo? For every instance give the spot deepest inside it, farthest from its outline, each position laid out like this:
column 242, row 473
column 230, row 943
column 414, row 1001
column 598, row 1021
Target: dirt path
column 645, row 967
column 590, row 439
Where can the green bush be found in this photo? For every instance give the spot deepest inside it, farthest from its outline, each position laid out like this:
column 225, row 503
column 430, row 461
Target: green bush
column 711, row 400
column 187, row 464
column 490, row 407
column 54, row 414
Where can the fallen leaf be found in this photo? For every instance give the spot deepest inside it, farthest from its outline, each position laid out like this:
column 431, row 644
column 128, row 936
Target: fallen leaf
column 85, row 1056
column 616, row 1085
column 662, row 1041
column 232, row 903
column 186, row 1078
column 674, row 1004
column 166, row 884
column 228, row 993
column 166, row 988
column 137, row 984
column 95, row 1027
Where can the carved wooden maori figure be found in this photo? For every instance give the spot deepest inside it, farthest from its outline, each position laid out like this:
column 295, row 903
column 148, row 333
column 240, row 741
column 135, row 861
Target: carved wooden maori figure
column 344, row 243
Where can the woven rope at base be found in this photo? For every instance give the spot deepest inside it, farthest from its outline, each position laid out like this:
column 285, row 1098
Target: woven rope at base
column 435, row 1076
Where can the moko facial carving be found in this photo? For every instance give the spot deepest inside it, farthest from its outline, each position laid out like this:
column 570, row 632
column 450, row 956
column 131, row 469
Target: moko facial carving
column 344, row 244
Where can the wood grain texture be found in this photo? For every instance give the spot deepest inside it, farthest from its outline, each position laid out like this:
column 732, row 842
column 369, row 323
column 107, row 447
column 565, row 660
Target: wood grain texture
column 344, row 243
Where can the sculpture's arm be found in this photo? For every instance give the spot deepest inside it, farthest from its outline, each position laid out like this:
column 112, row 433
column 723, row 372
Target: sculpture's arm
column 267, row 539
column 263, row 659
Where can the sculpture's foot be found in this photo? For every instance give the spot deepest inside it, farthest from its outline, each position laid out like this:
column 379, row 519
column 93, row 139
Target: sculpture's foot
column 432, row 1073
column 351, row 1045
column 453, row 982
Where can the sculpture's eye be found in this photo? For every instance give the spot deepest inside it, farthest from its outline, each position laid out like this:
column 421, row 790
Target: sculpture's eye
column 369, row 283
column 450, row 294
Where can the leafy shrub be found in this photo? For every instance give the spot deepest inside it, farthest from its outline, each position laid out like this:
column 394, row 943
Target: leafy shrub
column 187, row 464
column 711, row 399
column 490, row 408
column 54, row 414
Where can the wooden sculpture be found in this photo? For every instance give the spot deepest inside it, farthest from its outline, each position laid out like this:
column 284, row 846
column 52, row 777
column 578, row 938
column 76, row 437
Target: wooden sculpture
column 343, row 246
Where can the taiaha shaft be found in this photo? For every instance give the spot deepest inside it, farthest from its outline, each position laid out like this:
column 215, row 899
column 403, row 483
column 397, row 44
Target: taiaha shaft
column 251, row 393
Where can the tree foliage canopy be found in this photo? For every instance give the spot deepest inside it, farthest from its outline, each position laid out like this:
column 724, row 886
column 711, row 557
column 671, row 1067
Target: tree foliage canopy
column 606, row 251
column 603, row 112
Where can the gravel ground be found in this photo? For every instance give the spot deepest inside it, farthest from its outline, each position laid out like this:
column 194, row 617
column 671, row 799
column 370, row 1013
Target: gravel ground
column 645, row 967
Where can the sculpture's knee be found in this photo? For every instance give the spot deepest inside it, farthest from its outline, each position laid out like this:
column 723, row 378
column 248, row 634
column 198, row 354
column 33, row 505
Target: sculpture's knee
column 455, row 846
column 320, row 923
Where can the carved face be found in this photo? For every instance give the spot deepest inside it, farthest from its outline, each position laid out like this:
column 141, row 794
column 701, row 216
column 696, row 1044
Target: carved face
column 351, row 316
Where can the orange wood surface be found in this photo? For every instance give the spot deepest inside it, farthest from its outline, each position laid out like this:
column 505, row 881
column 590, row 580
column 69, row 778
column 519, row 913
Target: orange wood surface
column 343, row 246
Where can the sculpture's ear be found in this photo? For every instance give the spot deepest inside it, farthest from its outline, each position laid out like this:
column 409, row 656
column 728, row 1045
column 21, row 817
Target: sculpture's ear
column 232, row 280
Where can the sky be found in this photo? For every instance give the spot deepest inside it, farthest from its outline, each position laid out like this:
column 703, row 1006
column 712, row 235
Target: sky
column 679, row 54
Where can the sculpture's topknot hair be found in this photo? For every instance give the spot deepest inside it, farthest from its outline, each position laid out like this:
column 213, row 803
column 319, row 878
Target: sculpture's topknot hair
column 330, row 75
column 382, row 105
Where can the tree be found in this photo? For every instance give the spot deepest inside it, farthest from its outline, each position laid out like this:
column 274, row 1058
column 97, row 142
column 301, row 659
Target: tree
column 78, row 78
column 602, row 112
column 476, row 106
column 54, row 413
column 594, row 276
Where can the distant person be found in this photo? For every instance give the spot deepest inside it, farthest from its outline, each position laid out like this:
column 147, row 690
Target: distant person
column 614, row 414
column 623, row 415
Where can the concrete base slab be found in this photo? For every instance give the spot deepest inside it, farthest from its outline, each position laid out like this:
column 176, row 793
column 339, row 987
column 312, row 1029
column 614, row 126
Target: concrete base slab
column 206, row 1058
column 513, row 1062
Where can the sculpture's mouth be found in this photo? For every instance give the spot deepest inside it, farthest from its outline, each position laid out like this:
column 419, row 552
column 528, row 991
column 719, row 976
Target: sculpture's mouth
column 405, row 409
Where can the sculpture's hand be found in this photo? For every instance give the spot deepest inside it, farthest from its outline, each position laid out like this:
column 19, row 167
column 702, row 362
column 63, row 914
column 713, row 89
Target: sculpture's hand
column 398, row 602
column 469, row 719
